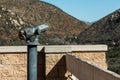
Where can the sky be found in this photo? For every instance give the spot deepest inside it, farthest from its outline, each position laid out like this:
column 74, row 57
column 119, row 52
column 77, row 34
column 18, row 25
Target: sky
column 87, row 10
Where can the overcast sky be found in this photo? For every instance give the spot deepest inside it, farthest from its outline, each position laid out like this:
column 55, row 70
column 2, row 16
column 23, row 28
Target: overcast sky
column 87, row 10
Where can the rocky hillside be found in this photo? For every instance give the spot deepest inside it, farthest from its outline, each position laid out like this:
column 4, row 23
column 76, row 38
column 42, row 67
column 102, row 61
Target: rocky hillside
column 62, row 28
column 10, row 23
column 104, row 31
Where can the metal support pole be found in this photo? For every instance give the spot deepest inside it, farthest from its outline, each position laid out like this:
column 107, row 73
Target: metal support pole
column 32, row 62
column 30, row 35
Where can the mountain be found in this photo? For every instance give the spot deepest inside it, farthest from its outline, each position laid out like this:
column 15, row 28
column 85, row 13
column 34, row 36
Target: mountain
column 104, row 31
column 62, row 26
column 89, row 23
column 10, row 23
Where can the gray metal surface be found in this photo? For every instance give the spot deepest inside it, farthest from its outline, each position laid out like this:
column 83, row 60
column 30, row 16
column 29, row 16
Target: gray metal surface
column 32, row 62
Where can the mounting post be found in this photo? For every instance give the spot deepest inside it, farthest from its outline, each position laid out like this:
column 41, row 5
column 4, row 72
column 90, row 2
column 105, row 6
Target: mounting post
column 32, row 62
column 32, row 59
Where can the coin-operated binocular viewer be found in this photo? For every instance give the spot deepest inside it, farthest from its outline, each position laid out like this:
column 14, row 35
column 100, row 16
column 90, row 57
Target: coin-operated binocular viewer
column 30, row 35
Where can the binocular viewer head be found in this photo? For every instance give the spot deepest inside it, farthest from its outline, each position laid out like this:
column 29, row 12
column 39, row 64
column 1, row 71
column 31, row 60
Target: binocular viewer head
column 27, row 33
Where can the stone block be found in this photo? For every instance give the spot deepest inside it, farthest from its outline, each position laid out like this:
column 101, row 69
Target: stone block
column 0, row 71
column 14, row 78
column 48, row 68
column 55, row 65
column 52, row 71
column 7, row 70
column 89, row 56
column 98, row 58
column 53, row 58
column 57, row 49
column 0, row 58
column 101, row 64
column 89, row 48
column 13, row 58
column 25, row 60
column 20, row 70
column 8, row 78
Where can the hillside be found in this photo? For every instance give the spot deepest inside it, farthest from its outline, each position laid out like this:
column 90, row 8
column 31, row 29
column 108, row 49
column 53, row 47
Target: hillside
column 10, row 23
column 62, row 26
column 106, row 30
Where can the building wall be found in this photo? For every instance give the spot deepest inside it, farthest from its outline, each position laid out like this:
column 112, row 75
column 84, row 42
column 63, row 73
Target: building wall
column 13, row 66
column 56, row 66
column 51, row 61
column 97, row 58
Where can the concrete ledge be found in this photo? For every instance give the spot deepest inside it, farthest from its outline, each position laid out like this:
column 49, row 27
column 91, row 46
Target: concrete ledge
column 89, row 48
column 4, row 49
column 55, row 48
column 15, row 49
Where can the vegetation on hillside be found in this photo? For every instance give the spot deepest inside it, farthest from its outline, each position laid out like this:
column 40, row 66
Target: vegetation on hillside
column 113, row 59
column 105, row 31
column 36, row 12
column 10, row 23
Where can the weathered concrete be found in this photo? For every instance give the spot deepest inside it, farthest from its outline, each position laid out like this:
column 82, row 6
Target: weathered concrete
column 14, row 49
column 58, row 49
column 89, row 48
column 55, row 48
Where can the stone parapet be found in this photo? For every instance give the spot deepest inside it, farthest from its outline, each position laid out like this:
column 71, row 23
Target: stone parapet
column 97, row 58
column 51, row 60
column 54, row 48
column 13, row 67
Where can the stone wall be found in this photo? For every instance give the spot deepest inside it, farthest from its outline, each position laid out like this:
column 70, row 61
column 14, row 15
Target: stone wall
column 13, row 66
column 97, row 58
column 55, row 67
column 95, row 54
column 51, row 60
